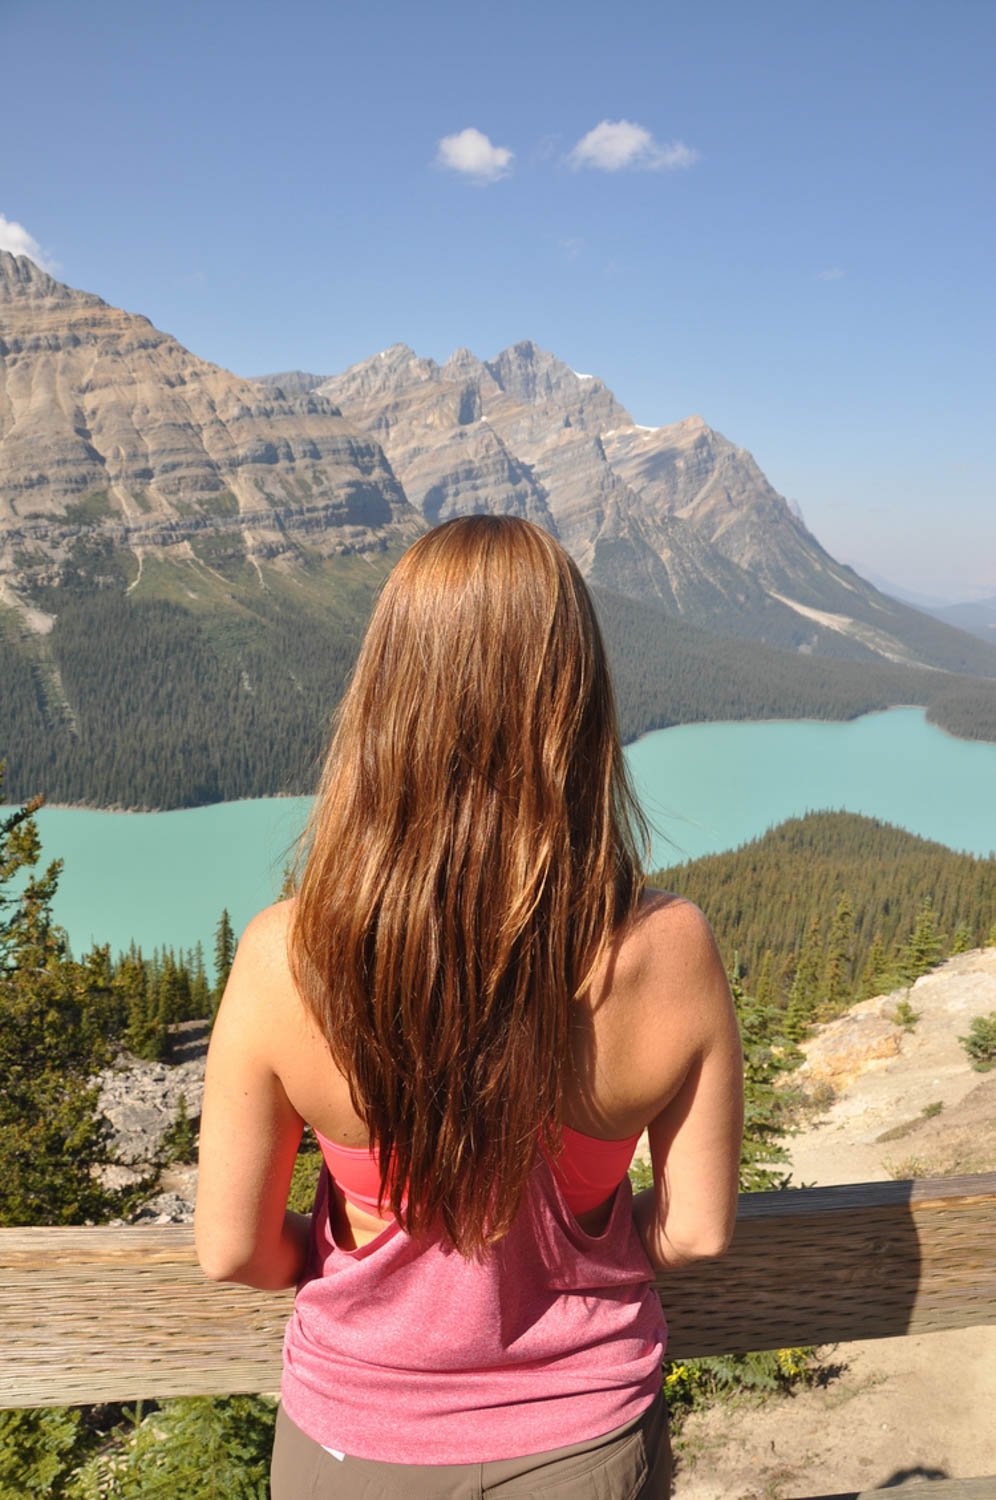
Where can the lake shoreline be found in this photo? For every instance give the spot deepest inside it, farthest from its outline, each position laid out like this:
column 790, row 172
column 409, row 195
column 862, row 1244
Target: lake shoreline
column 116, row 808
column 713, row 787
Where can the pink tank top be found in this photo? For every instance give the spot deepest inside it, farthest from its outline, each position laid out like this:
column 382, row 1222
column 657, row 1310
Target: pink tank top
column 405, row 1351
column 587, row 1168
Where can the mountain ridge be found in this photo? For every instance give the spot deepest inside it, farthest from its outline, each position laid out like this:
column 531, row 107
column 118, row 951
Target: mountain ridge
column 678, row 515
column 188, row 559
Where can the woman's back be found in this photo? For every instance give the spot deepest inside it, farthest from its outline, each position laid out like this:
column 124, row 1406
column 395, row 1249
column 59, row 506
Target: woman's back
column 634, row 1039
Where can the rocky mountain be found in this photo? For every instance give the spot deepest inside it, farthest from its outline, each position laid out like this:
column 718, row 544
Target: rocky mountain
column 188, row 559
column 676, row 516
column 113, row 434
column 292, row 382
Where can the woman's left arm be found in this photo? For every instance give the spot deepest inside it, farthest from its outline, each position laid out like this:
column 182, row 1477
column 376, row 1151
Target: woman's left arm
column 250, row 1131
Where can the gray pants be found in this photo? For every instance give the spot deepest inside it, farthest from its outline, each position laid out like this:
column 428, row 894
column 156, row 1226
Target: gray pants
column 632, row 1463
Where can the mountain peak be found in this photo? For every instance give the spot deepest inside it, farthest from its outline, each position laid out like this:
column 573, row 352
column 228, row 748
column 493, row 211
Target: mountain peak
column 463, row 361
column 20, row 268
column 392, row 370
column 20, row 276
column 536, row 378
column 19, row 273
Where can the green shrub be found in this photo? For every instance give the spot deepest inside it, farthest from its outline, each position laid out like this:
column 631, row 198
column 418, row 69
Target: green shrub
column 39, row 1451
column 980, row 1044
column 304, row 1181
column 905, row 1016
column 180, row 1140
column 194, row 1448
column 692, row 1383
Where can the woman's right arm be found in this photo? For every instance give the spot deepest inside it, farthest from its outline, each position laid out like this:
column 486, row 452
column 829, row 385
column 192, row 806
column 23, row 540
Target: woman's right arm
column 690, row 1211
column 250, row 1130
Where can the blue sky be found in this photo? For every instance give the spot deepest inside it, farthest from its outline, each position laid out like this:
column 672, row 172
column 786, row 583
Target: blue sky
column 779, row 215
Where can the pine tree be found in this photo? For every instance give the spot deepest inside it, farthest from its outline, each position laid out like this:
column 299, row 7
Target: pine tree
column 804, row 993
column 963, row 939
column 25, row 916
column 876, row 975
column 835, row 985
column 768, row 1052
column 200, row 993
column 180, row 1140
column 765, row 986
column 145, row 1035
column 224, row 954
column 40, row 1449
column 169, row 1006
column 105, row 1014
column 50, row 1133
column 923, row 947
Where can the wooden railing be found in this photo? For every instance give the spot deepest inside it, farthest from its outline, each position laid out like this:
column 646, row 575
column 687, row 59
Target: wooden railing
column 110, row 1314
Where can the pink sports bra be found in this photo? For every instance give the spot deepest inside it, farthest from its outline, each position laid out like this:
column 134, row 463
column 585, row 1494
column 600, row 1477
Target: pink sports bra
column 588, row 1169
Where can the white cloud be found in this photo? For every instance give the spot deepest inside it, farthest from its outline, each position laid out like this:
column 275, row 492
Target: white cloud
column 834, row 273
column 614, row 145
column 15, row 238
column 472, row 154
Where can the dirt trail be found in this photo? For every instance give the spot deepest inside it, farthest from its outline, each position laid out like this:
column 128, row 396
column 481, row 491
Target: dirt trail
column 900, row 1409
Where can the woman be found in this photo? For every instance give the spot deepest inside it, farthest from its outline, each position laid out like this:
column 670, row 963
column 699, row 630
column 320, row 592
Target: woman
column 478, row 1010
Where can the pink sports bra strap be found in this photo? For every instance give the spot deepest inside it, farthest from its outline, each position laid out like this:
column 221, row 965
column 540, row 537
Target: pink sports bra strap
column 587, row 1168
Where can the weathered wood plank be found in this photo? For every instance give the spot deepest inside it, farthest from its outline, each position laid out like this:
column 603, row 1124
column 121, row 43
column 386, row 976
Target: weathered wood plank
column 107, row 1314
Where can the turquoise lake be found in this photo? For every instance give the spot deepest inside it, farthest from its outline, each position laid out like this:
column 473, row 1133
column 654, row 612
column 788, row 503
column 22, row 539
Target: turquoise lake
column 163, row 878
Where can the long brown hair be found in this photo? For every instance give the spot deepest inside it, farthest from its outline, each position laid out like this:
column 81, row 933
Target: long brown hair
column 471, row 853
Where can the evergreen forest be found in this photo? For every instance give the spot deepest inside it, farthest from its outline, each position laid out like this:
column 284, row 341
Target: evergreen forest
column 833, row 907
column 183, row 695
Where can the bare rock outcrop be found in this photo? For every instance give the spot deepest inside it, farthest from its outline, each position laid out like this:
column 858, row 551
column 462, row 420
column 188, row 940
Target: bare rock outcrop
column 140, row 1101
column 113, row 434
column 900, row 1093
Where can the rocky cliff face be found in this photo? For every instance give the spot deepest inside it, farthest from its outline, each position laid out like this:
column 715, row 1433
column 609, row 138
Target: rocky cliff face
column 677, row 516
column 111, row 430
column 432, row 420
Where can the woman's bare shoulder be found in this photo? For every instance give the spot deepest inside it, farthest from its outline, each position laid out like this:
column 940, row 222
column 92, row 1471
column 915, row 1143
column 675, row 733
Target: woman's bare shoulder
column 271, row 926
column 265, row 943
column 673, row 971
column 656, row 1004
column 261, row 985
column 669, row 938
